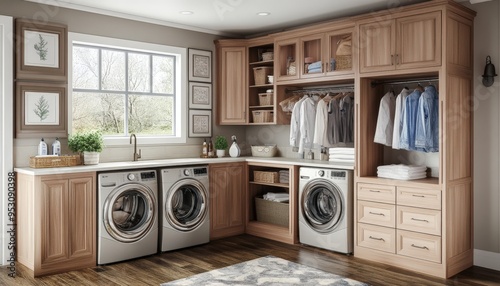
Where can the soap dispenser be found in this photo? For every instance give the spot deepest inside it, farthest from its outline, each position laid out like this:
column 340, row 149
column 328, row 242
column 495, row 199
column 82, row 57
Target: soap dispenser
column 234, row 150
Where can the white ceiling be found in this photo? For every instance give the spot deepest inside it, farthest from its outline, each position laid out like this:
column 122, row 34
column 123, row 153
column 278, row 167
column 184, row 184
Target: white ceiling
column 230, row 17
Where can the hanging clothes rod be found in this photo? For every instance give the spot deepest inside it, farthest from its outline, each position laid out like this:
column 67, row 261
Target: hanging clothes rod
column 333, row 88
column 374, row 83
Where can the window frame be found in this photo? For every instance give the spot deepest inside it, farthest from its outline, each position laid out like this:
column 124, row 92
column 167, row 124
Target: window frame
column 180, row 109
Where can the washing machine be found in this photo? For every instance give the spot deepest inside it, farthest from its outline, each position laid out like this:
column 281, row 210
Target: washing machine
column 185, row 217
column 326, row 208
column 127, row 215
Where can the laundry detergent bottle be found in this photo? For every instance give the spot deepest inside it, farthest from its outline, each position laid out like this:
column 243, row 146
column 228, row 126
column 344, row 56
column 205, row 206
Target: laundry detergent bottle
column 234, row 150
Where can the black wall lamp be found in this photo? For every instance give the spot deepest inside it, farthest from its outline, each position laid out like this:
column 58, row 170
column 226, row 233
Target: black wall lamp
column 489, row 72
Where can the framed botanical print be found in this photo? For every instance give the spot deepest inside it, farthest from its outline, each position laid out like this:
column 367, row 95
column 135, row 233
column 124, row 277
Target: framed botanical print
column 41, row 51
column 200, row 65
column 200, row 95
column 200, row 123
column 40, row 110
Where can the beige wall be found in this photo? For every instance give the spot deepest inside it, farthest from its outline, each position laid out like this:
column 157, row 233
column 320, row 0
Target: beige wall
column 100, row 25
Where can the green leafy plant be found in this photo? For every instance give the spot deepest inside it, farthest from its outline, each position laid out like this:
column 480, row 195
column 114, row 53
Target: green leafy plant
column 220, row 143
column 89, row 141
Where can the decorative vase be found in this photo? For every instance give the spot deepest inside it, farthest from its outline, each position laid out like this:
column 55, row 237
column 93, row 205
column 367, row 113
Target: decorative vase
column 235, row 150
column 220, row 153
column 90, row 158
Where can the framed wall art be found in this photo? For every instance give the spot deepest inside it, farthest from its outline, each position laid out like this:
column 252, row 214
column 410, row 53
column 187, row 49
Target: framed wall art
column 200, row 123
column 200, row 65
column 200, row 95
column 40, row 110
column 41, row 51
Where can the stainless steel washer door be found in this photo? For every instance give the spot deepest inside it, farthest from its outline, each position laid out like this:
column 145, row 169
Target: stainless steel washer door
column 186, row 204
column 322, row 205
column 129, row 212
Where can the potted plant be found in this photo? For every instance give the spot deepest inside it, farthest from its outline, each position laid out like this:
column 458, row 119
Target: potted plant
column 220, row 145
column 89, row 144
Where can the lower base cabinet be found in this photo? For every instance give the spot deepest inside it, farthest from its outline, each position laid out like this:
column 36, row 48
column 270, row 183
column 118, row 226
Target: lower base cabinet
column 227, row 208
column 56, row 220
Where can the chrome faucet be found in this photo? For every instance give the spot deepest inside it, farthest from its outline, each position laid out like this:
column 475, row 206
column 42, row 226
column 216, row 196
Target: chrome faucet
column 137, row 156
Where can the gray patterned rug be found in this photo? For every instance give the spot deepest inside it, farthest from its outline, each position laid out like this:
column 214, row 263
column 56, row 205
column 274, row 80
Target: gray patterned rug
column 267, row 270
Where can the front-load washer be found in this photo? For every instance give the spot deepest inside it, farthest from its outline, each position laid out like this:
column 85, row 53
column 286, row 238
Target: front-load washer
column 185, row 217
column 127, row 215
column 326, row 208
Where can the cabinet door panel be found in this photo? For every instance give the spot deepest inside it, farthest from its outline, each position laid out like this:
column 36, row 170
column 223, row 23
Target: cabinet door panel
column 219, row 219
column 377, row 45
column 236, row 189
column 81, row 217
column 232, row 101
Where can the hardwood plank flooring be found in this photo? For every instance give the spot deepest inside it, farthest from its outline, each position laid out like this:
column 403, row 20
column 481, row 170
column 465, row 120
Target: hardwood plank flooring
column 168, row 266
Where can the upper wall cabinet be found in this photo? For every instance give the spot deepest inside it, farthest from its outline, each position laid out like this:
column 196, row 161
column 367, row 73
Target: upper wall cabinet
column 402, row 43
column 231, row 87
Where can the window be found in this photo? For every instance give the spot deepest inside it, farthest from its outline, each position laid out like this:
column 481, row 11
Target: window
column 123, row 87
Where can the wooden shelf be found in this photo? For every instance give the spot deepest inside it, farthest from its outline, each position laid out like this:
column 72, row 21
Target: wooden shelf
column 262, row 63
column 271, row 184
column 261, row 106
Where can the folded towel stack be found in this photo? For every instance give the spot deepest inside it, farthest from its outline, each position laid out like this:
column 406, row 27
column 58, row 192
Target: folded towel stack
column 277, row 197
column 341, row 155
column 284, row 176
column 402, row 172
column 314, row 67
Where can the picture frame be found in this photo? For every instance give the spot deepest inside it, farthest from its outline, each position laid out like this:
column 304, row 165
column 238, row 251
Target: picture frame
column 200, row 95
column 200, row 123
column 41, row 51
column 40, row 110
column 200, row 65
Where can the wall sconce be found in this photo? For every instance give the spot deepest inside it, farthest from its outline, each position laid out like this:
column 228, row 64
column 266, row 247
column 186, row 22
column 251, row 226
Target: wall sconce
column 489, row 73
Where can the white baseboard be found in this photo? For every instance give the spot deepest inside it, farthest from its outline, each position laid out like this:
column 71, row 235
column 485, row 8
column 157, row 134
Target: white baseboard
column 487, row 259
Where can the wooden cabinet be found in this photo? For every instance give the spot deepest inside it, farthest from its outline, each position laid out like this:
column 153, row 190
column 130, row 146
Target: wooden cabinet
column 270, row 219
column 56, row 222
column 227, row 203
column 402, row 43
column 232, row 83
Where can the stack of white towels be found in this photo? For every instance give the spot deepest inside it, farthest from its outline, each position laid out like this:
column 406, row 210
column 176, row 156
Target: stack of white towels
column 284, row 176
column 343, row 155
column 277, row 197
column 402, row 172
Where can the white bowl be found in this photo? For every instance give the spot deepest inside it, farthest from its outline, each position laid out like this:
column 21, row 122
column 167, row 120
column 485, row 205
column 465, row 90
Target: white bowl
column 270, row 78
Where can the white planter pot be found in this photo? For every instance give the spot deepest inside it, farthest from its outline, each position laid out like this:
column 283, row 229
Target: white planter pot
column 90, row 158
column 221, row 153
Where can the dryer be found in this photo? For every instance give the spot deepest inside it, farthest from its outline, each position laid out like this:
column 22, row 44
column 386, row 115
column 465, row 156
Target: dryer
column 185, row 217
column 326, row 208
column 127, row 215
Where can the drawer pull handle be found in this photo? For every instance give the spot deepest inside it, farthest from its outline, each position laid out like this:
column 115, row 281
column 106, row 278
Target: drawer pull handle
column 420, row 247
column 418, row 219
column 419, row 196
column 377, row 238
column 376, row 213
column 375, row 191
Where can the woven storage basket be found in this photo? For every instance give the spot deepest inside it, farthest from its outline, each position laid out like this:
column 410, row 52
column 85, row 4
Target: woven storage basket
column 343, row 62
column 261, row 116
column 55, row 161
column 271, row 212
column 265, row 176
column 260, row 74
column 264, row 151
column 266, row 99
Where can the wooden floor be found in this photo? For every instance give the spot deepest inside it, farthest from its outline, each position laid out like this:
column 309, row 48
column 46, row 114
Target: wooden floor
column 156, row 269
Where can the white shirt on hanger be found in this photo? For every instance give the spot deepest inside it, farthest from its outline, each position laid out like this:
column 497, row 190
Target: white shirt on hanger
column 385, row 120
column 398, row 123
column 320, row 135
column 294, row 123
column 306, row 123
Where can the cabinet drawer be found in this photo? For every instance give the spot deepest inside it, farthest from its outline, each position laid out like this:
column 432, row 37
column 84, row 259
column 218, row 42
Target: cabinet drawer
column 421, row 198
column 377, row 193
column 377, row 213
column 420, row 220
column 377, row 237
column 419, row 245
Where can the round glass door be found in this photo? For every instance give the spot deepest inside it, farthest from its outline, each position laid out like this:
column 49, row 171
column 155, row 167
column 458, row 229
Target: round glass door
column 322, row 205
column 129, row 212
column 186, row 204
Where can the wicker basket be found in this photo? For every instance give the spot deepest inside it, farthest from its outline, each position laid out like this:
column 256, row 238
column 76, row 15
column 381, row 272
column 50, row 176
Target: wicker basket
column 343, row 62
column 266, row 99
column 272, row 212
column 262, row 116
column 260, row 74
column 267, row 56
column 265, row 176
column 55, row 161
column 264, row 151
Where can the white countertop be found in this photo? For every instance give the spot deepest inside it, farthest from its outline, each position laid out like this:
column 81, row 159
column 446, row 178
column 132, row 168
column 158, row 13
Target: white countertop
column 165, row 163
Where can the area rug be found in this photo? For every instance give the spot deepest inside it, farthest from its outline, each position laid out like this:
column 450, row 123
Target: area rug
column 265, row 271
